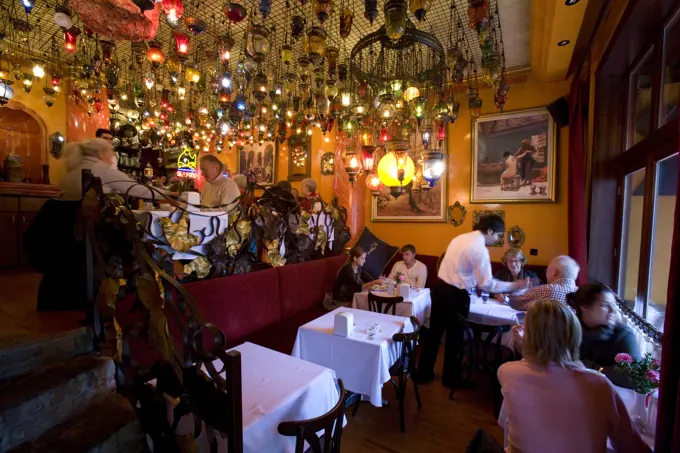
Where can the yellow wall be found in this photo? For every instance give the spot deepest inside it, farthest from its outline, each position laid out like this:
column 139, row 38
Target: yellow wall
column 324, row 184
column 53, row 117
column 545, row 225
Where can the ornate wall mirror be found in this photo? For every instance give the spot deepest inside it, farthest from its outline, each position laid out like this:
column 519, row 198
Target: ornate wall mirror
column 299, row 158
column 516, row 237
column 327, row 164
column 456, row 214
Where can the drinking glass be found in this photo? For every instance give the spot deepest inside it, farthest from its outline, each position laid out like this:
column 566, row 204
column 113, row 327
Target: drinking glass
column 371, row 329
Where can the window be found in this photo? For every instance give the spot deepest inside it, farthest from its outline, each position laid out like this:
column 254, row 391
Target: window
column 662, row 236
column 641, row 99
column 631, row 236
column 671, row 73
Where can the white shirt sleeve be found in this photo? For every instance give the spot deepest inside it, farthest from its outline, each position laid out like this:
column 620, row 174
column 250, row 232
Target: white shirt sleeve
column 482, row 270
column 421, row 279
column 396, row 268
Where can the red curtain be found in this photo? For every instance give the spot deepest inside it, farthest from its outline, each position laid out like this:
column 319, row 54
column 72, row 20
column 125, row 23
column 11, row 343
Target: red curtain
column 577, row 238
column 668, row 422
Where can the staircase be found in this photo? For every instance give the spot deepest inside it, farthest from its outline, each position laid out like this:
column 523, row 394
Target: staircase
column 57, row 395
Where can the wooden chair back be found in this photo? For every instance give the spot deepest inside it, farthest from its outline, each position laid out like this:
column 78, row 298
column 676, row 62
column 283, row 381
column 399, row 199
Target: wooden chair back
column 386, row 305
column 409, row 343
column 306, row 430
column 479, row 338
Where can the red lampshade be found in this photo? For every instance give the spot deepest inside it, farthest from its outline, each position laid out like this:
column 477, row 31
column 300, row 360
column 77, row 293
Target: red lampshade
column 368, row 158
column 182, row 42
column 71, row 39
column 384, row 134
column 155, row 55
column 174, row 9
column 373, row 183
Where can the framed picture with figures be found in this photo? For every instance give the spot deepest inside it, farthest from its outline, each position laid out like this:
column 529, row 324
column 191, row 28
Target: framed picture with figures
column 259, row 160
column 514, row 158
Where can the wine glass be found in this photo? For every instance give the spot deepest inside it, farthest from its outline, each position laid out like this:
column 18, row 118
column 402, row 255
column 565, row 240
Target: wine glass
column 371, row 329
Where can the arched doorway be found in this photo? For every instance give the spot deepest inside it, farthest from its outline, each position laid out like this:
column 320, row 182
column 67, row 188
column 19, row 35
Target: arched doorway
column 23, row 135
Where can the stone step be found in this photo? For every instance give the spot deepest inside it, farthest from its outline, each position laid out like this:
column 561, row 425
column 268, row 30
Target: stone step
column 34, row 403
column 110, row 426
column 21, row 358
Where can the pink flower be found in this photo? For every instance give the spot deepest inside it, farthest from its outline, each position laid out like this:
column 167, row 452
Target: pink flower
column 623, row 358
column 653, row 376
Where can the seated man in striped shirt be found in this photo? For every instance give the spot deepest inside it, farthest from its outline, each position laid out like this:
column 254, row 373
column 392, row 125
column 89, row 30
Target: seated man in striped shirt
column 561, row 274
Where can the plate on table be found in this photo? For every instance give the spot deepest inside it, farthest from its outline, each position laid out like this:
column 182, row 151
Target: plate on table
column 378, row 288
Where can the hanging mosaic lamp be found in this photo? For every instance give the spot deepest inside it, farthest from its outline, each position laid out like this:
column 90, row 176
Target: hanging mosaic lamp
column 182, row 43
column 475, row 104
column 346, row 19
column 192, row 74
column 28, row 5
column 478, row 15
column 419, row 8
column 195, row 25
column 297, row 27
column 396, row 15
column 368, row 157
column 286, row 54
column 373, row 183
column 411, row 93
column 323, row 9
column 155, row 54
column 315, row 44
column 28, row 82
column 371, row 10
column 258, row 44
column 235, row 12
column 396, row 169
column 433, row 167
column 174, row 10
column 71, row 39
column 265, row 8
column 501, row 94
column 332, row 54
column 62, row 17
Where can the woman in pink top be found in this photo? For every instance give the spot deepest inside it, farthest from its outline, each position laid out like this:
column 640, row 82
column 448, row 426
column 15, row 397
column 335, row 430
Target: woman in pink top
column 552, row 402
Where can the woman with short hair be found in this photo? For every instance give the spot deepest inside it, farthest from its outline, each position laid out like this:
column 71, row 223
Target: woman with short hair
column 513, row 270
column 554, row 403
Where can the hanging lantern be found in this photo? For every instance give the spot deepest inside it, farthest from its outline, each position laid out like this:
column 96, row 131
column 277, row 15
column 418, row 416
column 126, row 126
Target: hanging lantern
column 181, row 93
column 265, row 8
column 396, row 169
column 174, row 68
column 235, row 12
column 6, row 91
column 332, row 54
column 286, row 54
column 155, row 54
column 98, row 105
column 373, row 183
column 182, row 43
column 38, row 68
column 260, row 91
column 501, row 94
column 71, row 39
column 56, row 80
column 150, row 80
column 258, row 44
column 396, row 15
column 346, row 19
column 297, row 27
column 28, row 82
column 192, row 74
column 433, row 167
column 346, row 98
column 419, row 8
column 370, row 10
column 331, row 90
column 62, row 17
column 475, row 104
column 352, row 162
column 478, row 13
column 28, row 5
column 368, row 157
column 195, row 25
column 315, row 44
column 387, row 109
column 226, row 44
column 174, row 10
column 384, row 135
column 411, row 93
column 323, row 9
column 454, row 109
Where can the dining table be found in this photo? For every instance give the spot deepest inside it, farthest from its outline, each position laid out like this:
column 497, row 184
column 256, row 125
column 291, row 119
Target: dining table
column 275, row 388
column 494, row 312
column 419, row 304
column 363, row 363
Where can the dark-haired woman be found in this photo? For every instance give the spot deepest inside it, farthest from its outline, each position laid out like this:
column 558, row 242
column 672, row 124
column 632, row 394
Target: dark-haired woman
column 352, row 278
column 604, row 335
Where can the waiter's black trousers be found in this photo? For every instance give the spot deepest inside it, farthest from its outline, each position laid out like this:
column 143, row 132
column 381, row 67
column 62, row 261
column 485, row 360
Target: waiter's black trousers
column 447, row 303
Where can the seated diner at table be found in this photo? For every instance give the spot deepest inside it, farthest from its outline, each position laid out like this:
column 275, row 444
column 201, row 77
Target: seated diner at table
column 513, row 269
column 414, row 272
column 351, row 277
column 311, row 201
column 604, row 335
column 552, row 402
column 561, row 274
column 219, row 192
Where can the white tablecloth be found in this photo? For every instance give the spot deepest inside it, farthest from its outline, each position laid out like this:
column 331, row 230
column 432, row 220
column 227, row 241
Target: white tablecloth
column 200, row 222
column 362, row 364
column 419, row 306
column 276, row 388
column 493, row 312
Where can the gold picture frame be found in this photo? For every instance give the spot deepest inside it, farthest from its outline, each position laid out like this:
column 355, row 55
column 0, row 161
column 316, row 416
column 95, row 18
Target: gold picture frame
column 514, row 158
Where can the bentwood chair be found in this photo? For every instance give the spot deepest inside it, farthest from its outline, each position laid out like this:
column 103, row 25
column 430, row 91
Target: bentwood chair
column 306, row 430
column 403, row 368
column 482, row 350
column 385, row 305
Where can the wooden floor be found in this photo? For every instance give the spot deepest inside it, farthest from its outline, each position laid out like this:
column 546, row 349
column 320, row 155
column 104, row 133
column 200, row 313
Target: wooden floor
column 440, row 426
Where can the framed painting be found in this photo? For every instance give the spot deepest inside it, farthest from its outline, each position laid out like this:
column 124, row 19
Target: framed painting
column 259, row 160
column 299, row 158
column 415, row 201
column 514, row 158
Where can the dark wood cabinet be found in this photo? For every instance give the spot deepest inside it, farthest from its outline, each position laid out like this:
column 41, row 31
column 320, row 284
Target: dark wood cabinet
column 19, row 205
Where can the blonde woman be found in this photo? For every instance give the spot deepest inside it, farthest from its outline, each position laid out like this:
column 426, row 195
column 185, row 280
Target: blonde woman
column 552, row 402
column 513, row 270
column 97, row 156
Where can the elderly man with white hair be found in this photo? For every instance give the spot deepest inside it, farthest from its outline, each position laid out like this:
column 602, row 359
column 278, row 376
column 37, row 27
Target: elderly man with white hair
column 312, row 201
column 561, row 274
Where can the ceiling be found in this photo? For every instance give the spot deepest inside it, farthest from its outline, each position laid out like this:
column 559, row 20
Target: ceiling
column 515, row 20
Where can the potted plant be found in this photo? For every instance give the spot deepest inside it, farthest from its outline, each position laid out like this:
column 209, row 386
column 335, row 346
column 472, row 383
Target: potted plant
column 644, row 376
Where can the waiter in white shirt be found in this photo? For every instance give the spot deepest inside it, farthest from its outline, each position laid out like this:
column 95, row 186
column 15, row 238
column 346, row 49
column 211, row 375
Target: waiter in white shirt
column 465, row 267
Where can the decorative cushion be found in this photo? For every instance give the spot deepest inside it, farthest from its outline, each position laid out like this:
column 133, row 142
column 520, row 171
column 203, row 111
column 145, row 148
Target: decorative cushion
column 378, row 252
